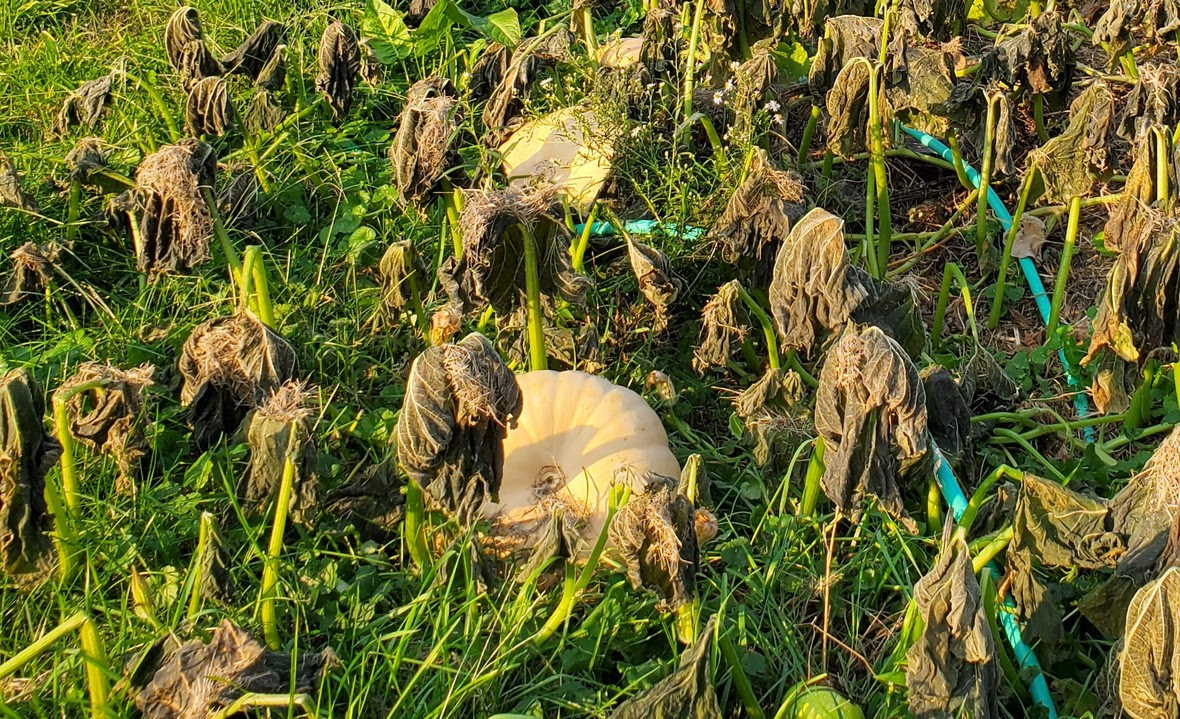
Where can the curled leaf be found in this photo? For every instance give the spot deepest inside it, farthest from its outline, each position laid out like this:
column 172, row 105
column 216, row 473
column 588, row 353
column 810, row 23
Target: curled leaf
column 951, row 668
column 237, row 201
column 1136, row 208
column 85, row 159
column 492, row 269
column 110, row 416
column 1039, row 58
column 774, row 417
column 32, row 266
column 421, row 152
column 11, row 192
column 1153, row 101
column 655, row 534
column 402, row 274
column 229, row 366
column 459, row 400
column 1126, row 22
column 1112, row 385
column 255, row 52
column 513, row 72
column 931, row 19
column 686, row 693
column 845, row 37
column 1030, row 237
column 870, row 409
column 948, row 416
column 84, row 106
column 199, row 680
column 208, row 110
column 815, row 290
column 27, row 453
column 724, row 325
column 848, row 109
column 279, row 433
column 340, row 62
column 1149, row 663
column 175, row 225
column 184, row 43
column 656, row 280
column 1139, row 308
column 758, row 215
column 265, row 111
column 1068, row 162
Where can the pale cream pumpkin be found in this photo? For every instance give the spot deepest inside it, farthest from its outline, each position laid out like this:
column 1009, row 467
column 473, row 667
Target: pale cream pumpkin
column 576, row 435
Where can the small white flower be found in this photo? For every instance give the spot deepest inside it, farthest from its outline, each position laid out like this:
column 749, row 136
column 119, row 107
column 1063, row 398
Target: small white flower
column 771, row 106
column 734, row 64
column 636, row 130
column 778, row 119
column 729, row 84
column 717, row 98
column 650, row 86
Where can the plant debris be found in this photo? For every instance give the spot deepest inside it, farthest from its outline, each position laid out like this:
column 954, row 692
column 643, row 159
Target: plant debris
column 656, row 281
column 11, row 192
column 110, row 417
column 32, row 268
column 279, row 432
column 27, row 453
column 83, row 107
column 421, row 152
column 870, row 409
column 459, row 401
column 229, row 366
column 198, row 680
column 175, row 225
column 655, row 534
column 724, row 326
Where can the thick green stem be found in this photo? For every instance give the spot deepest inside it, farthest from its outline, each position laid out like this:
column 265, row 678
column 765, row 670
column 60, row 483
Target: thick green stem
column 538, row 358
column 93, row 654
column 586, row 24
column 933, row 507
column 67, row 463
column 65, row 540
column 867, row 248
column 274, row 549
column 1140, row 410
column 767, row 326
column 204, row 539
column 992, row 550
column 741, row 682
column 691, row 58
column 227, row 248
column 957, row 161
column 415, row 526
column 808, row 136
column 578, row 252
column 985, row 176
column 980, row 495
column 254, row 269
column 1161, row 167
column 72, row 210
column 811, row 482
column 993, row 319
column 1039, row 117
column 877, row 141
column 451, row 204
column 268, row 701
column 1071, row 236
column 952, row 270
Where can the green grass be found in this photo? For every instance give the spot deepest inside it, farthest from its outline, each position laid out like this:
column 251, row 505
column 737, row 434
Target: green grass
column 410, row 644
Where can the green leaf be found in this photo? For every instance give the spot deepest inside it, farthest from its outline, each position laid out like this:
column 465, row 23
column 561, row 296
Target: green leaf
column 433, row 28
column 502, row 27
column 793, row 60
column 387, row 32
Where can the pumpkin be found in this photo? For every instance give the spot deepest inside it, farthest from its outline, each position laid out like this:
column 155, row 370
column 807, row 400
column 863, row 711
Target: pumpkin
column 569, row 148
column 576, row 435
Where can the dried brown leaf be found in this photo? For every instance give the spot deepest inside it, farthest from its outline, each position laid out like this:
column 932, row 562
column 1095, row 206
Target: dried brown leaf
column 208, row 111
column 175, row 225
column 340, row 63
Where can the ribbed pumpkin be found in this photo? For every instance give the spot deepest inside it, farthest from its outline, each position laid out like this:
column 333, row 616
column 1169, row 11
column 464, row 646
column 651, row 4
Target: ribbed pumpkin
column 576, row 435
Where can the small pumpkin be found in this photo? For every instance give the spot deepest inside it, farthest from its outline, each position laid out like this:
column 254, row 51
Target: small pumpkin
column 576, row 435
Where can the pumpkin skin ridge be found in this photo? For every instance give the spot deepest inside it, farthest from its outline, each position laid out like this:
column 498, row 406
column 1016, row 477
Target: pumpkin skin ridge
column 606, row 429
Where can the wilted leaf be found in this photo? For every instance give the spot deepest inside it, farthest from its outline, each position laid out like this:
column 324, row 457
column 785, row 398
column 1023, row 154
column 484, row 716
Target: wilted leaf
column 845, row 37
column 175, row 225
column 686, row 693
column 1135, row 211
column 421, row 152
column 775, row 420
column 372, row 501
column 574, row 347
column 931, row 19
column 459, row 400
column 340, row 62
column 508, row 74
column 280, row 432
column 568, row 149
column 255, row 52
column 230, row 365
column 491, row 269
column 816, row 290
column 724, row 326
column 1154, row 100
column 264, row 113
column 1038, row 58
column 32, row 266
column 1140, row 307
column 951, row 668
column 27, row 453
column 758, row 215
column 110, row 417
column 1030, row 237
column 85, row 159
column 655, row 534
column 198, row 680
column 1068, row 162
column 11, row 192
column 1111, row 388
column 237, row 201
column 1149, row 664
column 561, row 540
column 1126, row 21
column 208, row 110
column 848, row 109
column 184, row 43
column 656, row 280
column 948, row 416
column 84, row 106
column 870, row 409
column 402, row 273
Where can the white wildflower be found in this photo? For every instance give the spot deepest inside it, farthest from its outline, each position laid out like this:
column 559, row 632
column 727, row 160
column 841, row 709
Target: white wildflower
column 771, row 106
column 717, row 98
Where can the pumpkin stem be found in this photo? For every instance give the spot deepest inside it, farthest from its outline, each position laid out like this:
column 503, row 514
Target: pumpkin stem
column 538, row 358
column 270, row 570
